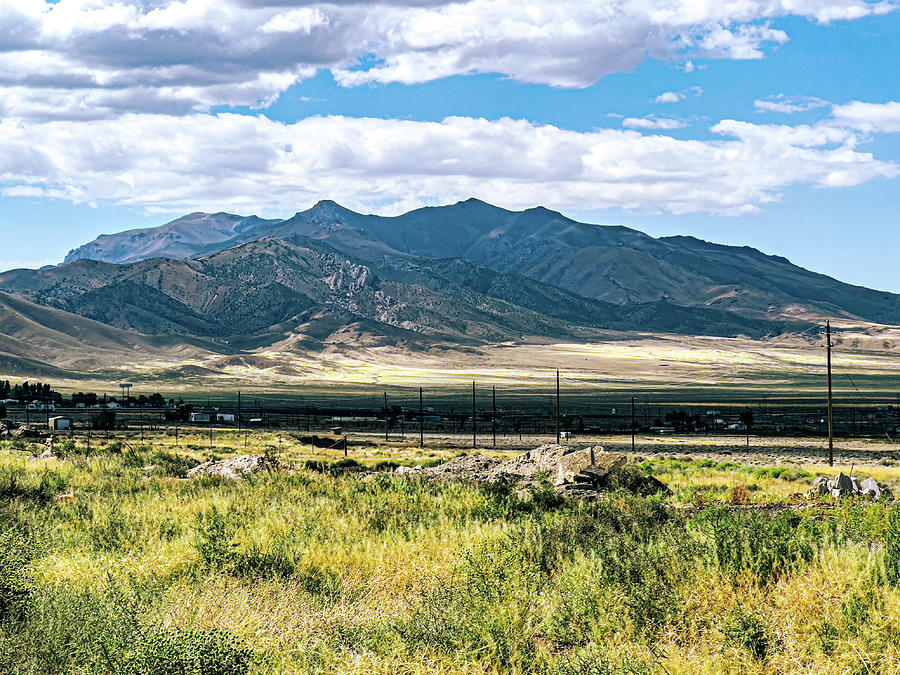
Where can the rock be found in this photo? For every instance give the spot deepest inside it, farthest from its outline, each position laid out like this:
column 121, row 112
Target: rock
column 571, row 464
column 870, row 488
column 819, row 487
column 841, row 485
column 26, row 431
column 46, row 454
column 581, row 472
column 235, row 467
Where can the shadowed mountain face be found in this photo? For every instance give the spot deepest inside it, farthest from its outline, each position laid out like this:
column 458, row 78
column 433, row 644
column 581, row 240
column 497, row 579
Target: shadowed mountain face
column 616, row 265
column 263, row 291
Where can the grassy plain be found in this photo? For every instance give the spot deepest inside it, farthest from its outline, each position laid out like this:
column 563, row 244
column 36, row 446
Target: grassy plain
column 865, row 362
column 327, row 568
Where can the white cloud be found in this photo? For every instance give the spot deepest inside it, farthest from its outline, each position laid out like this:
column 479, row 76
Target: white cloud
column 870, row 117
column 676, row 96
column 789, row 105
column 669, row 97
column 253, row 164
column 651, row 122
column 180, row 56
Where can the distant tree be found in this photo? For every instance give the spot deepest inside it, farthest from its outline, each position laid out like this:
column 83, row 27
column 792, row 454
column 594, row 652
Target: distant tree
column 104, row 419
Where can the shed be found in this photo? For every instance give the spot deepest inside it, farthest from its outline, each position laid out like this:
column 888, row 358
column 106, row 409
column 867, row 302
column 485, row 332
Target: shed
column 59, row 423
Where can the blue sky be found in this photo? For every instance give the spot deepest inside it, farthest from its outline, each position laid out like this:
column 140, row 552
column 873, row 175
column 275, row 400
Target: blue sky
column 770, row 124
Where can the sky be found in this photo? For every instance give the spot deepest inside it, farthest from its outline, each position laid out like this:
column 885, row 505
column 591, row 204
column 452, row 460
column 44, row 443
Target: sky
column 768, row 123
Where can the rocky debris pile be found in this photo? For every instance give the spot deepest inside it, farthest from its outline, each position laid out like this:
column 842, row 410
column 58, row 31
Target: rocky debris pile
column 584, row 472
column 26, row 431
column 235, row 468
column 843, row 485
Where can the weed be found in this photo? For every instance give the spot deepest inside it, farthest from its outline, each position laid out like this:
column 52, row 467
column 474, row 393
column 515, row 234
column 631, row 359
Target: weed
column 746, row 631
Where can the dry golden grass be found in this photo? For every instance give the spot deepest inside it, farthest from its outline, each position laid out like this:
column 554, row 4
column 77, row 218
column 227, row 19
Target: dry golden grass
column 367, row 555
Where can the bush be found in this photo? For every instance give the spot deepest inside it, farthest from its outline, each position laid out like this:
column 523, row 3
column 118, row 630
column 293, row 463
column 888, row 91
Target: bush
column 172, row 464
column 189, row 652
column 214, row 543
column 759, row 545
column 257, row 563
column 747, row 631
column 891, row 541
column 213, row 540
column 16, row 483
column 15, row 590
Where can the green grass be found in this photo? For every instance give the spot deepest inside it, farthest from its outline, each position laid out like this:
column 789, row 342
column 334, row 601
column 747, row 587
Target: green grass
column 328, row 568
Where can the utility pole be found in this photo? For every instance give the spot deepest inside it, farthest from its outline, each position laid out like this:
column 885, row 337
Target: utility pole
column 557, row 406
column 474, row 423
column 385, row 417
column 421, row 419
column 632, row 424
column 239, row 412
column 494, row 416
column 830, row 406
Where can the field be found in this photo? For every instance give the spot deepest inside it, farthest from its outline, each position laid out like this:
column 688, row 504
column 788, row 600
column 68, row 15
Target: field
column 864, row 363
column 327, row 567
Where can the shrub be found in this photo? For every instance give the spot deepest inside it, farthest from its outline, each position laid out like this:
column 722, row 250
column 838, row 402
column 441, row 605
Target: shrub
column 891, row 541
column 746, row 631
column 213, row 540
column 16, row 483
column 172, row 464
column 15, row 591
column 257, row 563
column 764, row 547
column 176, row 651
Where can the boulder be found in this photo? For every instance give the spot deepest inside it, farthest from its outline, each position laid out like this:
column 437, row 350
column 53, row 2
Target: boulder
column 583, row 472
column 235, row 468
column 819, row 487
column 870, row 488
column 841, row 485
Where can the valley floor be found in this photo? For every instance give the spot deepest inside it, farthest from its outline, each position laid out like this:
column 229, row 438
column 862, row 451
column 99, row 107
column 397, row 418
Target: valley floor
column 111, row 561
column 865, row 363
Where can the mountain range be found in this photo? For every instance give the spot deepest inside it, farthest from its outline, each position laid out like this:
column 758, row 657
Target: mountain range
column 459, row 275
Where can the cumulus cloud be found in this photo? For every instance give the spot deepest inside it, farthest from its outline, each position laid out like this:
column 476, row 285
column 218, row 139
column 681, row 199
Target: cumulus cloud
column 182, row 56
column 253, row 164
column 870, row 117
column 789, row 105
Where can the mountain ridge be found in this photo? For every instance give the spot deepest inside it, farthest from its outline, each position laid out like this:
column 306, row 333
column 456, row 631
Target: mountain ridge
column 610, row 263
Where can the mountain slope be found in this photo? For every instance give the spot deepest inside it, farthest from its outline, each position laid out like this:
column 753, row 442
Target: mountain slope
column 601, row 263
column 258, row 292
column 44, row 340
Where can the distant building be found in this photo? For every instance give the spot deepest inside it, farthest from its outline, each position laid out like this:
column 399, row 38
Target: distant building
column 59, row 423
column 199, row 417
column 224, row 417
